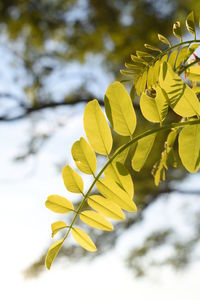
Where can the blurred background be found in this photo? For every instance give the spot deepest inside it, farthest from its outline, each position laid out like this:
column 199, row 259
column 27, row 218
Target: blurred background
column 56, row 55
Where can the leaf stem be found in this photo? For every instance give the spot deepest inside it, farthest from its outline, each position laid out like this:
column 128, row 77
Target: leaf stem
column 131, row 142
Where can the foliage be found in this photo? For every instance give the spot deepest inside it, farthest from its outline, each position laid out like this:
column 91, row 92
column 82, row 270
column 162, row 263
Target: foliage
column 156, row 77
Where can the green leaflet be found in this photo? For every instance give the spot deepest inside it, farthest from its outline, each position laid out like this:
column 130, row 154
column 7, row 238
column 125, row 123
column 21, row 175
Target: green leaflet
column 142, row 151
column 83, row 239
column 59, row 204
column 189, row 147
column 84, row 156
column 190, row 24
column 95, row 220
column 112, row 191
column 164, row 40
column 153, row 48
column 97, row 129
column 57, row 226
column 72, row 180
column 52, row 253
column 119, row 109
column 182, row 99
column 106, row 207
column 177, row 30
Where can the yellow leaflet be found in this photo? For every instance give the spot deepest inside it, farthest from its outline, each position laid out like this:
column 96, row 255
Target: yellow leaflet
column 177, row 30
column 142, row 151
column 59, row 204
column 84, row 156
column 106, row 207
column 52, row 253
column 150, row 77
column 111, row 190
column 119, row 109
column 189, row 147
column 97, row 129
column 72, row 180
column 193, row 73
column 149, row 109
column 57, row 226
column 161, row 102
column 95, row 220
column 83, row 239
column 182, row 99
column 120, row 174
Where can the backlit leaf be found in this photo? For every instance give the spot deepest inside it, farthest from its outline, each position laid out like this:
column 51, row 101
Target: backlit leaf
column 189, row 147
column 59, row 204
column 83, row 239
column 182, row 98
column 149, row 109
column 120, row 174
column 177, row 30
column 142, row 151
column 190, row 24
column 72, row 180
column 164, row 40
column 95, row 220
column 97, row 129
column 57, row 226
column 84, row 156
column 193, row 73
column 153, row 48
column 111, row 190
column 119, row 109
column 52, row 253
column 106, row 207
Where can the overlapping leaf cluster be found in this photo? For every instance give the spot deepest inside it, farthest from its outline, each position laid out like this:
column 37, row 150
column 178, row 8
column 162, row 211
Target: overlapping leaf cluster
column 157, row 81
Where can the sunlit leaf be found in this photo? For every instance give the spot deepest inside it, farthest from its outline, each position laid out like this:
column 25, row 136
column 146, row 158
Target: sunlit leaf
column 190, row 24
column 142, row 152
column 111, row 190
column 59, row 204
column 83, row 239
column 193, row 73
column 52, row 253
column 153, row 48
column 97, row 129
column 57, row 226
column 177, row 30
column 72, row 180
column 95, row 220
column 120, row 174
column 182, row 98
column 164, row 40
column 84, row 156
column 189, row 147
column 119, row 109
column 149, row 109
column 106, row 207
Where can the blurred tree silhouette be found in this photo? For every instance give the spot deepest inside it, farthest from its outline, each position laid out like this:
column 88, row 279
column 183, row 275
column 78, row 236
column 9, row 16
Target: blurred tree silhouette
column 45, row 38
